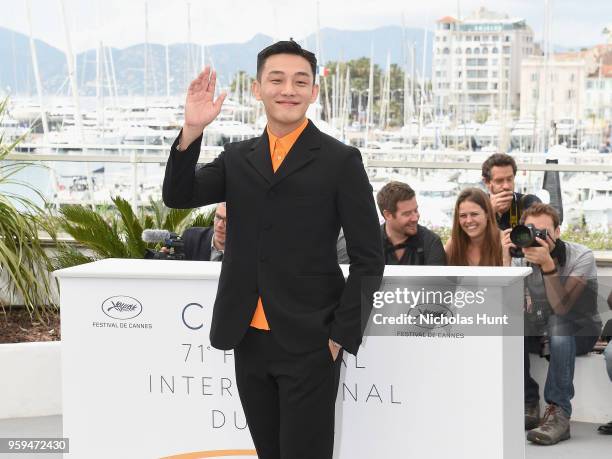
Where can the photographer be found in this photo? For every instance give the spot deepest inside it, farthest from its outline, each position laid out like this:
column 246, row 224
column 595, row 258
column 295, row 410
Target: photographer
column 561, row 315
column 498, row 173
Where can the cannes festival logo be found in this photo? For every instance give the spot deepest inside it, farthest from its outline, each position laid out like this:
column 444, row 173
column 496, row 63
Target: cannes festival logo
column 430, row 316
column 121, row 307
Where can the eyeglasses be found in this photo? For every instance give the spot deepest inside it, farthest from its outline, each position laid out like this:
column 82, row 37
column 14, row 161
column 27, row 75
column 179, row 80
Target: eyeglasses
column 220, row 219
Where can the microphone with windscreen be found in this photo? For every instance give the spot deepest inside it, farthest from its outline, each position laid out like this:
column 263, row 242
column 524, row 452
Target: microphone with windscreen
column 157, row 235
column 171, row 241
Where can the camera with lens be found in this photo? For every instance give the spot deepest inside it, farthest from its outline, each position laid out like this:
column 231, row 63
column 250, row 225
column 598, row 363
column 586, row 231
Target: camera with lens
column 176, row 249
column 525, row 236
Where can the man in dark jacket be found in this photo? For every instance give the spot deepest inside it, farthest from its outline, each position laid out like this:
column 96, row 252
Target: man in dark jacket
column 405, row 242
column 207, row 243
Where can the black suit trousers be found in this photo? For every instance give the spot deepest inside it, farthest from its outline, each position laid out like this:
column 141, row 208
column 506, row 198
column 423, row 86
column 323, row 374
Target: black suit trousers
column 288, row 399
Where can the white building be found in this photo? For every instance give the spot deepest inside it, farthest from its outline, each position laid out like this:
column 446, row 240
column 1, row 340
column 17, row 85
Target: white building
column 579, row 85
column 562, row 96
column 598, row 104
column 476, row 63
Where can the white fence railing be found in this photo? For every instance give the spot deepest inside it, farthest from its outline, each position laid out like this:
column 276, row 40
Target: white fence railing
column 411, row 159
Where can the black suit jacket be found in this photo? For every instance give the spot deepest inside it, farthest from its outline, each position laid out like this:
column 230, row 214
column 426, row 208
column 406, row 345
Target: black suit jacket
column 197, row 242
column 281, row 237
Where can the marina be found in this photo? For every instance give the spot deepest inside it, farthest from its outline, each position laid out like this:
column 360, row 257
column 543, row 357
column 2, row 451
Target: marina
column 427, row 94
column 123, row 152
column 430, row 124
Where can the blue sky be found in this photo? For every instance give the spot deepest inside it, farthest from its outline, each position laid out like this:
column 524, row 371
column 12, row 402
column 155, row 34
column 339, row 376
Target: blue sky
column 120, row 23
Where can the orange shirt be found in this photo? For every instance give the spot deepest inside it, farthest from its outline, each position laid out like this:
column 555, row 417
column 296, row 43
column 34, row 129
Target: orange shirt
column 279, row 147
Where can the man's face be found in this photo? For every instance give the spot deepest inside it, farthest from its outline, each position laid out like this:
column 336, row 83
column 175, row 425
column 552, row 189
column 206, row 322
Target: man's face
column 220, row 224
column 544, row 222
column 502, row 179
column 286, row 88
column 405, row 219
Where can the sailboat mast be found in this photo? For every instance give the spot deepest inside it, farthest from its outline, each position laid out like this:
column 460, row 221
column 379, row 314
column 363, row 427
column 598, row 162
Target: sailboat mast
column 113, row 76
column 422, row 105
column 370, row 95
column 405, row 62
column 167, row 71
column 43, row 113
column 72, row 73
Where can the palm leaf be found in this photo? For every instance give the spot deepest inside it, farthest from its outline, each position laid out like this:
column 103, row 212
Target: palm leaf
column 133, row 230
column 176, row 219
column 159, row 213
column 24, row 263
column 90, row 229
column 203, row 219
column 147, row 222
column 68, row 256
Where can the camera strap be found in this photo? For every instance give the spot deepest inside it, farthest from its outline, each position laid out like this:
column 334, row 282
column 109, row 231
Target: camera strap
column 559, row 252
column 515, row 211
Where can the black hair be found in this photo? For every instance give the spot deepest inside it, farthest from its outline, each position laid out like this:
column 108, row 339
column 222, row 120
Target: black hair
column 285, row 47
column 497, row 160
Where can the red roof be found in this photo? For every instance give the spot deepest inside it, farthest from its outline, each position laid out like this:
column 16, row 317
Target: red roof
column 447, row 20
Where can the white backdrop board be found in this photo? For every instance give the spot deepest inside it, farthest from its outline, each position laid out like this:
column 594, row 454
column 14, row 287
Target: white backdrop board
column 140, row 379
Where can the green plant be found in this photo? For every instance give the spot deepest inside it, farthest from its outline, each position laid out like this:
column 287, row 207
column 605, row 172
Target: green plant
column 444, row 232
column 165, row 218
column 594, row 240
column 203, row 219
column 119, row 236
column 481, row 116
column 24, row 265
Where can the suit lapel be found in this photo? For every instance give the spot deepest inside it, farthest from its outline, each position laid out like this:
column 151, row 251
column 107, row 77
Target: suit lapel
column 300, row 154
column 207, row 249
column 259, row 157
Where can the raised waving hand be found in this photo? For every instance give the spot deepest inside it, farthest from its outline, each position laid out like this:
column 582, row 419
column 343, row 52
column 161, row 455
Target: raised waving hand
column 200, row 107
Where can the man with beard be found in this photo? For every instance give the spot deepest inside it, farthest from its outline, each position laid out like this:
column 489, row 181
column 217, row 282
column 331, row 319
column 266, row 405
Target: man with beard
column 405, row 242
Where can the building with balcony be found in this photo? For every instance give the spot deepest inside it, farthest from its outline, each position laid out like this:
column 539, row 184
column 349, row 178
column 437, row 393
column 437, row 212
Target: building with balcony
column 477, row 63
column 571, row 85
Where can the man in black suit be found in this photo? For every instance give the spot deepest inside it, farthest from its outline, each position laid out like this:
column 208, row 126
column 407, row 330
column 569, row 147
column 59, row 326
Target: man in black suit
column 282, row 303
column 207, row 243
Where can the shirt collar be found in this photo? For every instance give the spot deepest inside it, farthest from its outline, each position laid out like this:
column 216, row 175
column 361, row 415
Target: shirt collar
column 289, row 139
column 410, row 241
column 212, row 245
